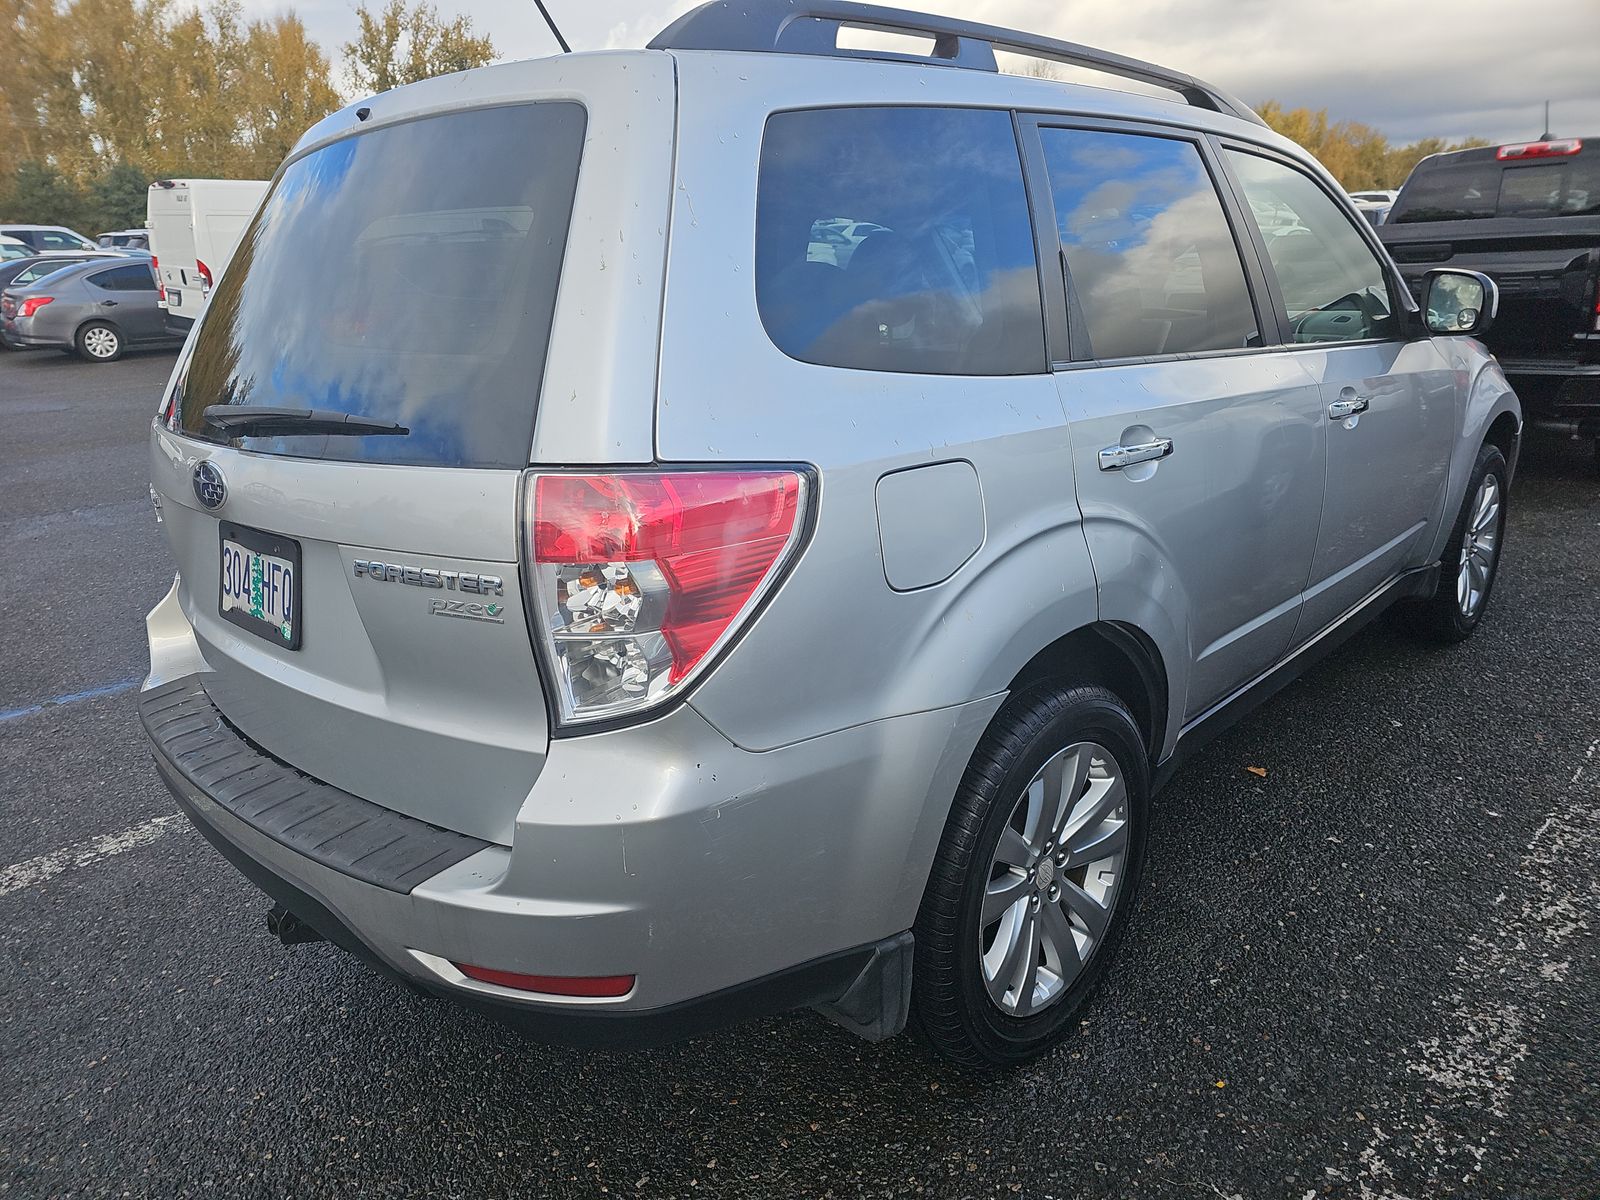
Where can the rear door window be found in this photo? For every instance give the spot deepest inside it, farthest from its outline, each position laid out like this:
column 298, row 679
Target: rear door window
column 125, row 279
column 898, row 239
column 1152, row 260
column 404, row 274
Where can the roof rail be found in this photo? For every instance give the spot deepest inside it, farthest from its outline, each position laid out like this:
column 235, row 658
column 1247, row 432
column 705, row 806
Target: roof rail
column 812, row 27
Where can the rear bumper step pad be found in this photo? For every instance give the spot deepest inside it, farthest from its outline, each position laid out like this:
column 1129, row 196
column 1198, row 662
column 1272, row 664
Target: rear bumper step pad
column 342, row 832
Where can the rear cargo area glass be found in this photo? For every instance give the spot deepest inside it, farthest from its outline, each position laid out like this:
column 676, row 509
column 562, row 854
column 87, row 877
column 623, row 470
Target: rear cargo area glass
column 407, row 274
column 1475, row 190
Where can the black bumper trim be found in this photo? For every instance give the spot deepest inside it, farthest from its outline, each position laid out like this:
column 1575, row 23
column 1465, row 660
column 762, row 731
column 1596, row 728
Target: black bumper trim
column 331, row 827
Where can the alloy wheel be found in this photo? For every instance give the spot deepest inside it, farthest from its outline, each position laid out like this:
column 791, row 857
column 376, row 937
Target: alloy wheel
column 1054, row 880
column 1480, row 543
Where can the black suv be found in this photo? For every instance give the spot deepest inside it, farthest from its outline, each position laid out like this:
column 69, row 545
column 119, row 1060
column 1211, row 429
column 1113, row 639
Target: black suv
column 1528, row 216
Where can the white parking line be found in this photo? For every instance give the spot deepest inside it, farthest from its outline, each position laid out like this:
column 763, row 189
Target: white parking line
column 47, row 866
column 1496, row 1003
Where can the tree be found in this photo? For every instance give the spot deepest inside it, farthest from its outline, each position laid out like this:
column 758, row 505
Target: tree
column 118, row 199
column 39, row 194
column 1357, row 155
column 92, row 85
column 400, row 45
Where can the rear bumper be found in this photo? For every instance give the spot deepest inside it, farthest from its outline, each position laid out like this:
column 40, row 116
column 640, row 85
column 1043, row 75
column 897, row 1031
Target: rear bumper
column 176, row 326
column 728, row 883
column 1556, row 390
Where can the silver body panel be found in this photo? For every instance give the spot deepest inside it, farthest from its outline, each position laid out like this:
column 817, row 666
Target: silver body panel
column 791, row 806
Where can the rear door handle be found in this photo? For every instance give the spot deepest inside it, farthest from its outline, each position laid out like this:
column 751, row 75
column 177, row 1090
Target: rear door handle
column 1114, row 458
column 108, row 304
column 1348, row 405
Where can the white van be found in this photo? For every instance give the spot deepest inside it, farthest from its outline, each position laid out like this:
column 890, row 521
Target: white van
column 194, row 226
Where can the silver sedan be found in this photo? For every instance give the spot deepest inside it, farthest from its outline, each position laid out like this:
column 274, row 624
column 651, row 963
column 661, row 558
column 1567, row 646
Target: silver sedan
column 95, row 309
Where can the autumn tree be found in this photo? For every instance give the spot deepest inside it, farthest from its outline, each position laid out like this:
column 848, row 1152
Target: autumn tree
column 97, row 91
column 402, row 45
column 1357, row 155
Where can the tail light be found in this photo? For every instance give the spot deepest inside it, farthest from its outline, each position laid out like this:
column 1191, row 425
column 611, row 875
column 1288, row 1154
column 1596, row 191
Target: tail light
column 161, row 288
column 1540, row 149
column 205, row 273
column 640, row 578
column 33, row 304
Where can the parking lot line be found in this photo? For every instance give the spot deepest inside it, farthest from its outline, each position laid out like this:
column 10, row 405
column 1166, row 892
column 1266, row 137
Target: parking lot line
column 94, row 693
column 47, row 866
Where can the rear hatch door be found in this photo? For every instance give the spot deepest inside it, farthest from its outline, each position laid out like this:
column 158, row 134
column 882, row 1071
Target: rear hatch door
column 355, row 594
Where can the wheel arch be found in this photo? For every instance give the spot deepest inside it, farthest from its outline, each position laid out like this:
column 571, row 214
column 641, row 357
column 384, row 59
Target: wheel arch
column 1117, row 656
column 96, row 319
column 1505, row 431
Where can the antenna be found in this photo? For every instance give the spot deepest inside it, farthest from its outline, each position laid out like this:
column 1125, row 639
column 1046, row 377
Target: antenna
column 562, row 42
column 1544, row 138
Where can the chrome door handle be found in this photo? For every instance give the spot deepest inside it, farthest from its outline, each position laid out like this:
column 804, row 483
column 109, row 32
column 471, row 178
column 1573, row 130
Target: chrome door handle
column 1348, row 406
column 1114, row 458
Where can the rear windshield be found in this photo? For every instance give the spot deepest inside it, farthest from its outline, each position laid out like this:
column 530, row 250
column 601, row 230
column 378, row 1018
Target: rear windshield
column 1465, row 191
column 404, row 275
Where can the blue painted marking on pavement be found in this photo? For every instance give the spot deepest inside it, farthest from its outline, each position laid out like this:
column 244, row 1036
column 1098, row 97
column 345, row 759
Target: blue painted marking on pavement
column 94, row 693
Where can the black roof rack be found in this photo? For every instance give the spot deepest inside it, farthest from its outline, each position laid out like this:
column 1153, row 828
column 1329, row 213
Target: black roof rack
column 812, row 27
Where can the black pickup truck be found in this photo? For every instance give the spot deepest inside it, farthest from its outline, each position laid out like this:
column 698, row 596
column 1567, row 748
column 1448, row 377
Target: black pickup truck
column 1528, row 216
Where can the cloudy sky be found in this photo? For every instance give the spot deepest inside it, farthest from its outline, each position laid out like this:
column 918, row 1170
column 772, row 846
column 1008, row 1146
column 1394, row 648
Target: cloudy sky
column 1447, row 68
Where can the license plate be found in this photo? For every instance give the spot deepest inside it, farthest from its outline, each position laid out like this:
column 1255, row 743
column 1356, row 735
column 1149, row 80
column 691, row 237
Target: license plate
column 174, row 298
column 259, row 584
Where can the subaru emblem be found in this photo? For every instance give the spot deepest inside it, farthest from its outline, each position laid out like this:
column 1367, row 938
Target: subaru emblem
column 209, row 486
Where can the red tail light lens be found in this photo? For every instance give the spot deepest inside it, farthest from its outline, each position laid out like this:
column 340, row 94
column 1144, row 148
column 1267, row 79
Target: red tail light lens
column 1540, row 149
column 552, row 985
column 155, row 268
column 640, row 577
column 33, row 304
column 205, row 273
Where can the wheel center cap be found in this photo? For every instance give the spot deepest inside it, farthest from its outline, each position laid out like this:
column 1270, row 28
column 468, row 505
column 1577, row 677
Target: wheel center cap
column 1044, row 875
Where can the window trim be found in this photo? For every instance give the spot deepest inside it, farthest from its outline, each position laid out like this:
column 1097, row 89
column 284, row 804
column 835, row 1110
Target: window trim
column 1401, row 303
column 1078, row 349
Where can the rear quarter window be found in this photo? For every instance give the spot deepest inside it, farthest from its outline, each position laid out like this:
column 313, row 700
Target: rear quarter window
column 898, row 239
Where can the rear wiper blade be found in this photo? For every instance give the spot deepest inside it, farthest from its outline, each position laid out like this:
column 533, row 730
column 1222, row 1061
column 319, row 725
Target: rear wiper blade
column 243, row 421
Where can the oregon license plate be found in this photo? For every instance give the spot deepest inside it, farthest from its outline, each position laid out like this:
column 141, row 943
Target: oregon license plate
column 259, row 584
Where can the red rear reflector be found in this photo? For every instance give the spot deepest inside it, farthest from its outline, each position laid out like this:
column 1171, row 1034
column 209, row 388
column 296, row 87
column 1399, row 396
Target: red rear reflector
column 33, row 304
column 552, row 985
column 1540, row 149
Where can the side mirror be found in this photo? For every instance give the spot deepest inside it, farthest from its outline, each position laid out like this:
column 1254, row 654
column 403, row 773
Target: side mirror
column 1459, row 302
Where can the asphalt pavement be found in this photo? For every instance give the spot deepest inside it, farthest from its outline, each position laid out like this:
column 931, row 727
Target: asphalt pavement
column 1364, row 961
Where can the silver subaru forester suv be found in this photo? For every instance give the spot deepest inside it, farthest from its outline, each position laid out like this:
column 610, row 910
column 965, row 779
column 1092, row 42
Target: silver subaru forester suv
column 746, row 524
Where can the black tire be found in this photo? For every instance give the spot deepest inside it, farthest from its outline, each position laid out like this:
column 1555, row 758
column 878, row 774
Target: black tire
column 94, row 334
column 950, row 1000
column 1441, row 617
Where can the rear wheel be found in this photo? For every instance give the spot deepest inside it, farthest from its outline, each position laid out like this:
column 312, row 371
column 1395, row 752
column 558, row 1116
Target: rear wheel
column 1471, row 558
column 99, row 342
column 1034, row 877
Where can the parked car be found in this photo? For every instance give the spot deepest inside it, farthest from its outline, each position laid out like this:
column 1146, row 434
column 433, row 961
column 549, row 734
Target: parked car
column 1374, row 211
column 125, row 239
column 94, row 309
column 14, row 248
column 20, row 272
column 48, row 239
column 194, row 227
column 1527, row 215
column 827, row 653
